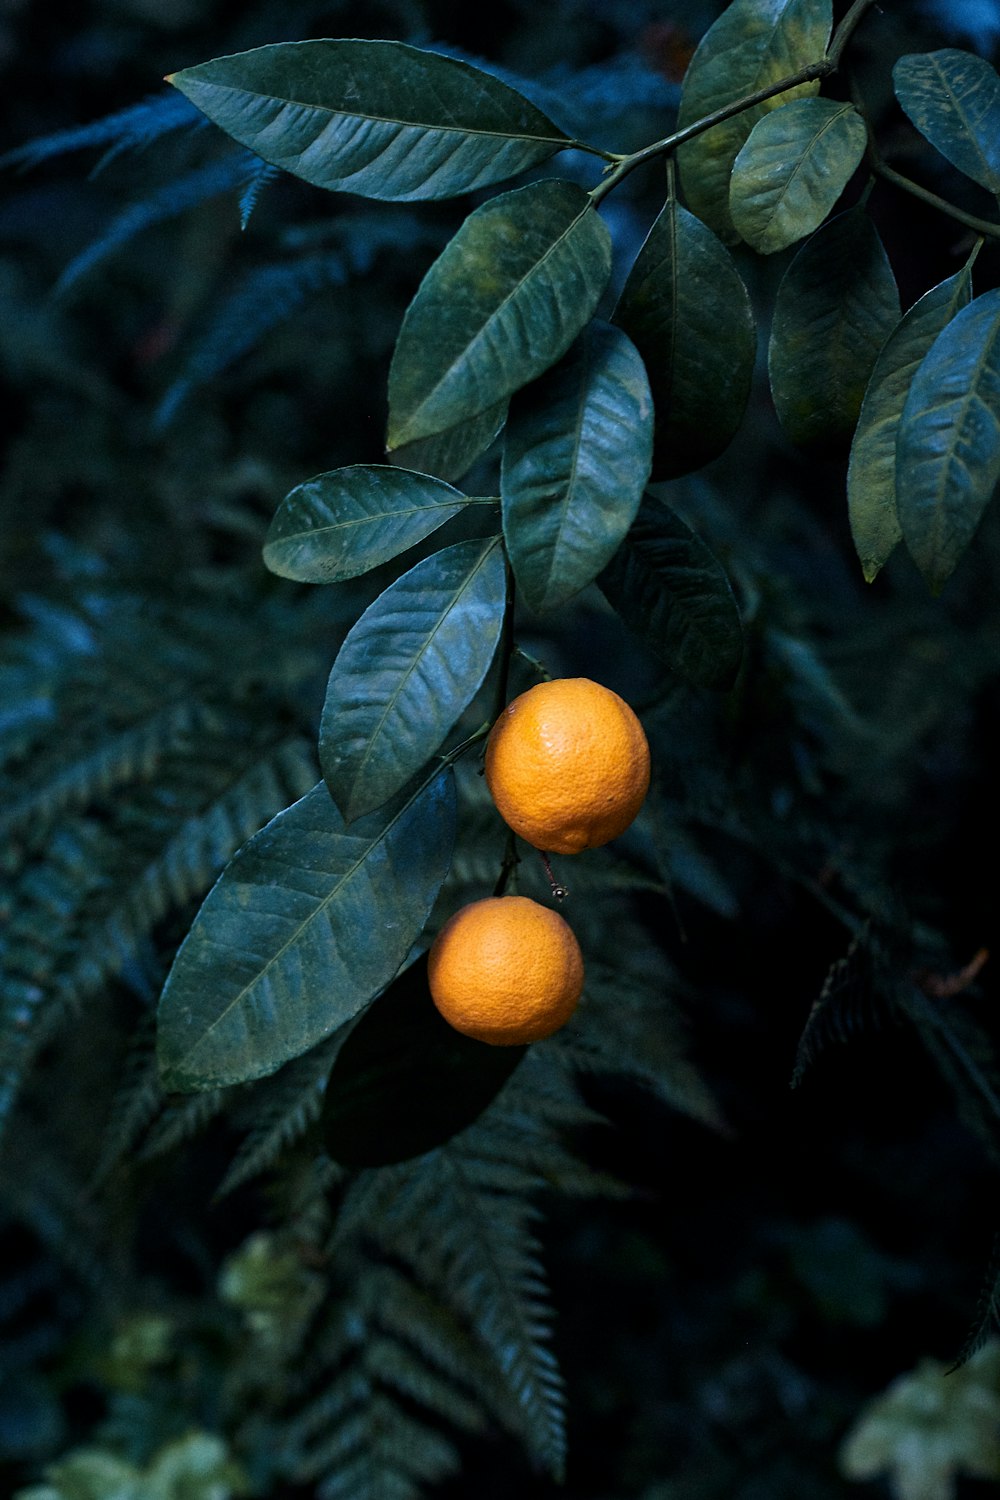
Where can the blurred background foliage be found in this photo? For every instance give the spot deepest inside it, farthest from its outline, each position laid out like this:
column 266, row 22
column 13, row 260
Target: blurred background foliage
column 760, row 1263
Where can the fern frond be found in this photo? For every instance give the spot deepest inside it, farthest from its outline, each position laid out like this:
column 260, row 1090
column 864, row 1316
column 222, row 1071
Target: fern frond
column 626, row 1026
column 845, row 1005
column 181, row 1120
column 262, row 300
column 473, row 1247
column 40, row 1191
column 386, row 1359
column 964, row 1057
column 138, row 1099
column 250, row 196
column 189, row 861
column 127, row 129
column 133, row 755
column 987, row 1319
column 283, row 1108
column 44, row 921
column 170, row 200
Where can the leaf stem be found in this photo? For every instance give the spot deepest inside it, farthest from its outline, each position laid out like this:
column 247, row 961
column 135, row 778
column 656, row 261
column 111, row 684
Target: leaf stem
column 809, row 73
column 985, row 227
column 506, row 645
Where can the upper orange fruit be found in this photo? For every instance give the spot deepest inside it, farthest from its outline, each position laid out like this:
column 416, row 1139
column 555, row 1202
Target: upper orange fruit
column 506, row 970
column 567, row 764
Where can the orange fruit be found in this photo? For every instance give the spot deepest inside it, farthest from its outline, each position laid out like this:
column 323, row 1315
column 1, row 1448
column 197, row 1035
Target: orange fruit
column 506, row 970
column 567, row 764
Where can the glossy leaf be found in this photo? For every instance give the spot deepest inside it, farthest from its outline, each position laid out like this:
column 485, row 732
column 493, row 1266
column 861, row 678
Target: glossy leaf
column 575, row 463
column 836, row 306
column 412, row 663
column 405, row 1081
column 373, row 117
column 305, row 924
column 953, row 98
column 948, row 444
column 451, row 454
column 668, row 587
column 503, row 301
column 871, row 474
column 685, row 308
column 342, row 523
column 792, row 169
column 754, row 43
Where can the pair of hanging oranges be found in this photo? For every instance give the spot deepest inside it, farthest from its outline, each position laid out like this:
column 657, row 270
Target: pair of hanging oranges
column 567, row 764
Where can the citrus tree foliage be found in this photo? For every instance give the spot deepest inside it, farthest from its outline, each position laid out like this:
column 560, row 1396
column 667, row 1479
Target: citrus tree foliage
column 264, row 806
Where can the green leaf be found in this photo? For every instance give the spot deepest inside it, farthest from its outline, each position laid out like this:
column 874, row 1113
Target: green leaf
column 754, row 43
column 412, row 663
column 342, row 523
column 373, row 117
column 948, row 444
column 451, row 454
column 576, row 460
column 669, row 589
column 503, row 301
column 871, row 473
column 792, row 169
column 405, row 1081
column 953, row 98
column 306, row 923
column 836, row 306
column 685, row 308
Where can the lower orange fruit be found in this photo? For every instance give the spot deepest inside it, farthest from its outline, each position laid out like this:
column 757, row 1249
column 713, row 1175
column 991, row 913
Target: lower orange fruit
column 567, row 764
column 506, row 970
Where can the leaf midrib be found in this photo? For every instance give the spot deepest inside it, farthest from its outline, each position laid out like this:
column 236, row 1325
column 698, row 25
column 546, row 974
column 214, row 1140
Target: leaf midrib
column 465, row 353
column 316, row 912
column 346, row 114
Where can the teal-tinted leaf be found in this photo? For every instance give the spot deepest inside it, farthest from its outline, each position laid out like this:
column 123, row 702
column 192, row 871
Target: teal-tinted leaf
column 835, row 308
column 576, row 460
column 871, row 474
column 306, row 923
column 792, row 169
column 685, row 308
column 503, row 301
column 405, row 1081
column 373, row 117
column 342, row 523
column 450, row 455
column 669, row 589
column 412, row 663
column 953, row 98
column 948, row 443
column 754, row 43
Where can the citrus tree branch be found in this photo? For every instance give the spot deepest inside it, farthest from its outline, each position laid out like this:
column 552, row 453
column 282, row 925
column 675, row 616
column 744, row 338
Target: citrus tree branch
column 986, row 227
column 809, row 73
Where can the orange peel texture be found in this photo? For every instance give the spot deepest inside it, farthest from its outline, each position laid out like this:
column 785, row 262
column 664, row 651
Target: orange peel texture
column 506, row 970
column 567, row 764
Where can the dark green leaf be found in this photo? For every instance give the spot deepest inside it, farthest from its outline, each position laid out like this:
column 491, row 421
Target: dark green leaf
column 503, row 301
column 450, row 455
column 667, row 586
column 792, row 169
column 576, row 460
column 948, row 444
column 836, row 306
column 871, row 474
column 412, row 663
column 753, row 43
column 953, row 98
column 345, row 522
column 373, row 117
column 405, row 1081
column 686, row 310
column 306, row 923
